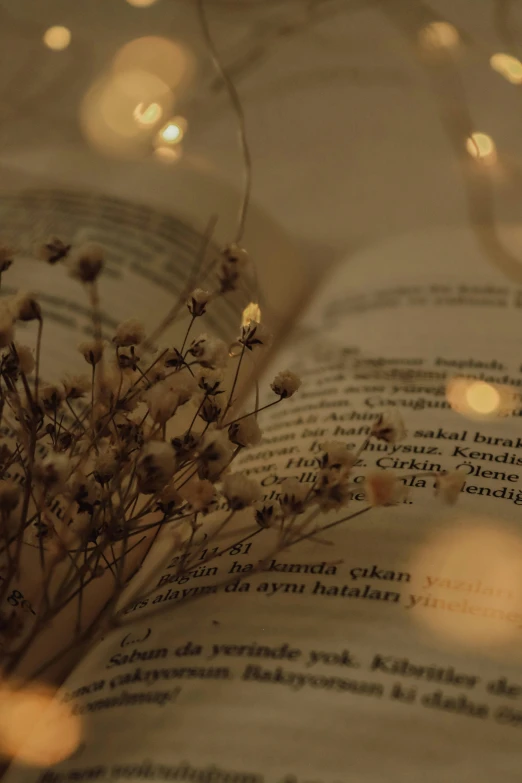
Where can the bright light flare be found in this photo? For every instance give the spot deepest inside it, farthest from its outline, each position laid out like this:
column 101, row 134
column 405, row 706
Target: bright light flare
column 57, row 38
column 470, row 587
column 35, row 727
column 141, row 3
column 167, row 60
column 480, row 400
column 481, row 147
column 483, row 398
column 507, row 66
column 174, row 130
column 147, row 114
column 119, row 112
column 439, row 35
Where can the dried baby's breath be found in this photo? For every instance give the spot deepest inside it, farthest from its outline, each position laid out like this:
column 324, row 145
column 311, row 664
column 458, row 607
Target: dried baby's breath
column 86, row 262
column 449, row 486
column 389, row 427
column 285, row 384
column 144, row 442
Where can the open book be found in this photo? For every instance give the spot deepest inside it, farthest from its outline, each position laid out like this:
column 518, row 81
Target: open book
column 390, row 650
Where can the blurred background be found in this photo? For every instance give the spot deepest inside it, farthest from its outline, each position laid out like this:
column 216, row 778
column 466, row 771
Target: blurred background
column 360, row 114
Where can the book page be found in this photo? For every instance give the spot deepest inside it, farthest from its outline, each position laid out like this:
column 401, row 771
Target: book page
column 150, row 258
column 390, row 649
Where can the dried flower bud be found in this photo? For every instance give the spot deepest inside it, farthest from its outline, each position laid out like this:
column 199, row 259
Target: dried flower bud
column 200, row 495
column 106, row 465
column 210, row 409
column 130, row 432
column 9, row 496
column 241, row 491
column 267, row 514
column 64, row 441
column 162, row 402
column 337, row 456
column 6, row 258
column 331, row 490
column 87, row 262
column 293, row 497
column 209, row 351
column 254, row 335
column 76, row 386
column 127, row 361
column 24, row 307
column 389, row 427
column 245, row 432
column 51, row 397
column 52, row 471
column 53, row 250
column 155, row 467
column 197, row 302
column 215, row 455
column 129, row 333
column 39, row 530
column 169, row 500
column 210, row 381
column 92, row 351
column 233, row 261
column 235, row 254
column 449, row 486
column 382, row 488
column 85, row 492
column 185, row 446
column 173, row 358
column 285, row 384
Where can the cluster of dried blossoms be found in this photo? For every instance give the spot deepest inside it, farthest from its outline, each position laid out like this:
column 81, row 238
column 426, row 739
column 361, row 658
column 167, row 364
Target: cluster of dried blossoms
column 334, row 487
column 100, row 463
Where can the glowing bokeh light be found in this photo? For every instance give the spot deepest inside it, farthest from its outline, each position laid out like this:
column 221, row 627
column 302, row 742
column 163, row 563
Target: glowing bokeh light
column 171, row 134
column 118, row 111
column 481, row 147
column 439, row 35
column 141, row 3
column 168, row 154
column 147, row 114
column 480, row 400
column 474, row 591
column 482, row 397
column 57, row 38
column 168, row 60
column 173, row 131
column 252, row 312
column 507, row 66
column 35, row 727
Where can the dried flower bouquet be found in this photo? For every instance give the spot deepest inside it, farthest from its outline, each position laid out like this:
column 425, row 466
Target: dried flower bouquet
column 97, row 466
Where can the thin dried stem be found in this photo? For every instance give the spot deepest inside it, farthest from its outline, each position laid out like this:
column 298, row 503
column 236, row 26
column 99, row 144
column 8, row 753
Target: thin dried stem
column 240, row 115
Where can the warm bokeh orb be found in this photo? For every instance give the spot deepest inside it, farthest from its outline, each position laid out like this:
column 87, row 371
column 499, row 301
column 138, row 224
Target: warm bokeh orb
column 35, row 727
column 57, row 38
